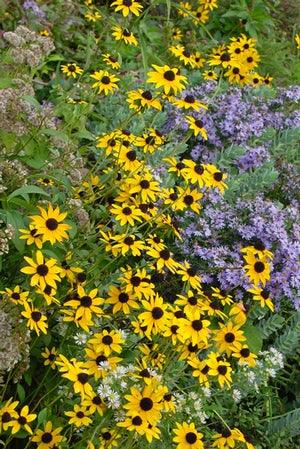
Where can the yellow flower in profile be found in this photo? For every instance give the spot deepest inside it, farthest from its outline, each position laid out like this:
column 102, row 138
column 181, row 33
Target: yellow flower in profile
column 168, row 78
column 92, row 16
column 44, row 272
column 124, row 34
column 71, row 70
column 197, row 126
column 297, row 40
column 31, row 236
column 105, row 82
column 49, row 225
column 188, row 102
column 263, row 296
column 111, row 61
column 127, row 6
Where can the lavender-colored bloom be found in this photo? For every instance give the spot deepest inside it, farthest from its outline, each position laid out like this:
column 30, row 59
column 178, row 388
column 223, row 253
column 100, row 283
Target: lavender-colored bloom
column 34, row 7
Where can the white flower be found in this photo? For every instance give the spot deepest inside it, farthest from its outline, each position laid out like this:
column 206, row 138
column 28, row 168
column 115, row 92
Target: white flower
column 206, row 392
column 236, row 395
column 80, row 338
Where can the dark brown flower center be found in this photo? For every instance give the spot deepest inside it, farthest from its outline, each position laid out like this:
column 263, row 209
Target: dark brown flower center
column 86, row 301
column 105, row 79
column 197, row 325
column 127, row 211
column 36, row 316
column 80, row 415
column 146, row 404
column 131, row 155
column 101, row 359
column 51, row 224
column 165, row 254
column 218, row 176
column 42, row 270
column 137, row 421
column 72, row 68
column 145, row 184
column 222, row 370
column 188, row 200
column 191, row 437
column 135, row 281
column 265, row 293
column 46, row 437
column 157, row 313
column 83, row 378
column 245, row 352
column 147, row 95
column 229, row 337
column 169, row 75
column 259, row 267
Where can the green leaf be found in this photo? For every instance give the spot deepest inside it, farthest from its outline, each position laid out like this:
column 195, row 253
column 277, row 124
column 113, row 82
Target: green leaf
column 42, row 416
column 21, row 392
column 25, row 190
column 15, row 219
column 254, row 338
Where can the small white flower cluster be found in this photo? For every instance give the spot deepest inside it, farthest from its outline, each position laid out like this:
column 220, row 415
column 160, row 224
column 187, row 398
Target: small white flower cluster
column 113, row 384
column 80, row 338
column 236, row 395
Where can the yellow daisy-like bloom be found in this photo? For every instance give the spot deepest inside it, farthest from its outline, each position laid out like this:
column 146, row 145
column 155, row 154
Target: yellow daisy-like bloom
column 201, row 15
column 44, row 272
column 137, row 282
column 191, row 301
column 177, row 34
column 183, row 54
column 184, row 9
column 127, row 159
column 146, row 404
column 78, row 373
column 128, row 243
column 105, row 82
column 244, row 356
column 46, row 182
column 229, row 338
column 32, row 236
column 197, row 126
column 49, row 225
column 297, row 40
column 150, row 141
column 80, row 416
column 86, row 304
column 219, row 368
column 188, row 102
column 8, row 414
column 188, row 199
column 108, row 438
column 16, row 295
column 96, row 361
column 107, row 342
column 111, row 61
column 23, row 420
column 156, row 316
column 227, row 439
column 144, row 185
column 124, row 34
column 200, row 370
column 121, row 300
column 187, row 437
column 257, row 270
column 209, row 4
column 36, row 320
column 138, row 99
column 126, row 214
column 194, row 328
column 263, row 296
column 216, row 177
column 168, row 78
column 71, row 70
column 163, row 259
column 134, row 423
column 258, row 249
column 210, row 75
column 93, row 16
column 94, row 403
column 127, row 6
column 47, row 438
column 50, row 357
column 189, row 274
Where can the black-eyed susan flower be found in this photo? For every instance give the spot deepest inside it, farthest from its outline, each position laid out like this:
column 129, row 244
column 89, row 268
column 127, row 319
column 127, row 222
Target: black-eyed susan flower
column 16, row 295
column 137, row 282
column 128, row 160
column 121, row 300
column 220, row 369
column 107, row 342
column 258, row 249
column 220, row 56
column 210, row 75
column 245, row 356
column 228, row 438
column 126, row 214
column 163, row 258
column 189, row 274
column 196, row 173
column 209, row 4
column 229, row 338
column 216, row 177
column 188, row 102
column 128, row 243
column 266, row 80
column 155, row 316
column 32, row 236
column 108, row 438
column 176, row 166
column 79, row 416
column 187, row 436
column 134, row 423
column 263, row 296
column 184, row 9
column 168, row 78
column 23, row 421
column 105, row 82
column 49, row 224
column 257, row 270
column 145, row 186
column 48, row 437
column 190, row 301
column 111, row 61
column 200, row 370
column 197, row 126
column 194, row 328
column 71, row 70
column 183, row 54
column 138, row 99
column 188, row 199
column 77, row 373
column 94, row 404
column 49, row 356
column 86, row 305
column 297, row 40
column 8, row 414
column 127, row 6
column 36, row 320
column 177, row 34
column 150, row 141
column 146, row 403
column 124, row 34
column 44, row 272
column 47, row 182
column 201, row 15
column 93, row 16
column 69, row 272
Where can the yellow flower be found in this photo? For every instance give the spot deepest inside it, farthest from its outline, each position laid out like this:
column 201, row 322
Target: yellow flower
column 194, row 328
column 297, row 40
column 228, row 438
column 44, row 272
column 8, row 414
column 168, row 78
column 93, row 16
column 126, row 214
column 163, row 259
column 32, row 236
column 187, row 437
column 111, row 61
column 23, row 420
column 124, row 34
column 244, row 356
column 36, row 320
column 209, row 75
column 229, row 338
column 188, row 102
column 263, row 296
column 216, row 178
column 146, row 404
column 197, row 126
column 155, row 317
column 105, row 82
column 71, row 70
column 257, row 270
column 107, row 342
column 219, row 368
column 49, row 225
column 16, row 295
column 85, row 304
column 47, row 438
column 80, row 416
column 121, row 300
column 50, row 357
column 127, row 6
column 138, row 99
